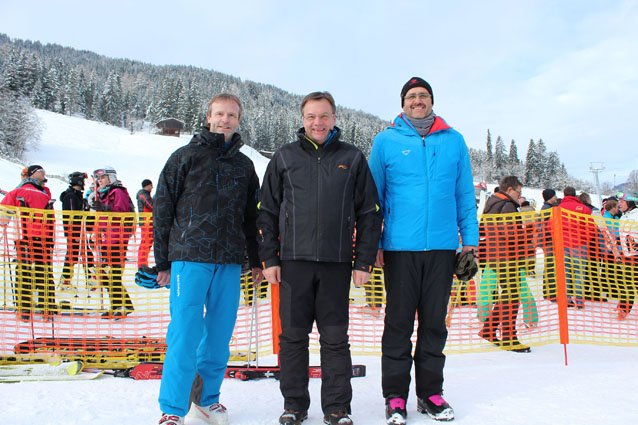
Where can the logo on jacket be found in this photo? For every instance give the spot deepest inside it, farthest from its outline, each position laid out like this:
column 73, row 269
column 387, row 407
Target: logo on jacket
column 406, row 152
column 343, row 166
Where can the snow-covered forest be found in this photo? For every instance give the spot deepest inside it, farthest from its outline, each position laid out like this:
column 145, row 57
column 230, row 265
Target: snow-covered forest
column 130, row 94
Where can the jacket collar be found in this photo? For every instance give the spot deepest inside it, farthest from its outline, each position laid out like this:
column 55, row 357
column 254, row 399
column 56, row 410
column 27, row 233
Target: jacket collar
column 217, row 141
column 308, row 144
column 402, row 123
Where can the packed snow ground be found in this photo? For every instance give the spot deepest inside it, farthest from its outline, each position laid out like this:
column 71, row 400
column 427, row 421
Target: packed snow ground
column 598, row 387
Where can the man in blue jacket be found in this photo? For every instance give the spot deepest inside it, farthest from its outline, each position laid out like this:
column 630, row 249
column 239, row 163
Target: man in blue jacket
column 421, row 167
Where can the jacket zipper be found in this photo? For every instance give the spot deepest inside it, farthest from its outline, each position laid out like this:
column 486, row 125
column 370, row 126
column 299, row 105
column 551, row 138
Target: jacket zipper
column 317, row 212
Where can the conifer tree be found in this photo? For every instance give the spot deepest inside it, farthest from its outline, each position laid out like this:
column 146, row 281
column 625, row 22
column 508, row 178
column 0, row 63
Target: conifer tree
column 532, row 165
column 513, row 155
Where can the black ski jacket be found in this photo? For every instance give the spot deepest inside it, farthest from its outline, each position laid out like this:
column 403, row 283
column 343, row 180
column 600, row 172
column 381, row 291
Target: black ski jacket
column 205, row 206
column 311, row 198
column 73, row 200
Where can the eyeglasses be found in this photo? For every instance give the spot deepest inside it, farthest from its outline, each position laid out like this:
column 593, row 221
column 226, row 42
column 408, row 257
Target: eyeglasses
column 420, row 96
column 312, row 117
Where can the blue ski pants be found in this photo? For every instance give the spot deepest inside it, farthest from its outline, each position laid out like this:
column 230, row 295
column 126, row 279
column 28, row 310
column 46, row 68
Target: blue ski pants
column 203, row 305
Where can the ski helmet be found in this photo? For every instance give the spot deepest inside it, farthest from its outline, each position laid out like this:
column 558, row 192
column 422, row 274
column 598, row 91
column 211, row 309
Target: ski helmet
column 77, row 178
column 108, row 170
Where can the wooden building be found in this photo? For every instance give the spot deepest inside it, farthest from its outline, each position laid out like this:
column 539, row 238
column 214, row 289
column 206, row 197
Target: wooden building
column 170, row 127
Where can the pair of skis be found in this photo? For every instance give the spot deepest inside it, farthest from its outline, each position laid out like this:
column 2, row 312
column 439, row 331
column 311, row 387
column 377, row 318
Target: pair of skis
column 153, row 370
column 66, row 371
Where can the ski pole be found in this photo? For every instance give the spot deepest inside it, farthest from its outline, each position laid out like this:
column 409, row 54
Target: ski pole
column 5, row 264
column 256, row 314
column 454, row 303
column 252, row 320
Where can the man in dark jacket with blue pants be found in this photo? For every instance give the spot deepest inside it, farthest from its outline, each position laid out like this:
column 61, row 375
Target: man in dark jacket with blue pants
column 205, row 213
column 314, row 192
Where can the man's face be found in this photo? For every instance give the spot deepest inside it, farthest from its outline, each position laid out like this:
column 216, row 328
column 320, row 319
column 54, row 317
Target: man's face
column 515, row 192
column 223, row 118
column 318, row 119
column 39, row 175
column 417, row 103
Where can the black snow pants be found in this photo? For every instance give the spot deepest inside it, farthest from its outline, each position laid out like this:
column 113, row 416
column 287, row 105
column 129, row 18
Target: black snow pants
column 416, row 283
column 315, row 291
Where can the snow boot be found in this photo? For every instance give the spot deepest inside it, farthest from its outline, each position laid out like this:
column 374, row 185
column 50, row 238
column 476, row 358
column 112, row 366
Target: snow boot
column 435, row 407
column 293, row 417
column 171, row 420
column 337, row 418
column 395, row 411
column 215, row 414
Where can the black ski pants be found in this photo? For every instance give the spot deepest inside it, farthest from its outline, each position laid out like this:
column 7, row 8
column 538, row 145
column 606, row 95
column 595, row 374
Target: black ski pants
column 416, row 283
column 315, row 291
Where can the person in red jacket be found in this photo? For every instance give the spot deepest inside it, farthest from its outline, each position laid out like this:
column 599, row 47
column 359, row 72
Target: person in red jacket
column 34, row 274
column 113, row 234
column 577, row 233
column 145, row 205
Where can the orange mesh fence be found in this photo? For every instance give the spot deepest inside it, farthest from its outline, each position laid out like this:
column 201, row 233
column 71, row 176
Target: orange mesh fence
column 68, row 289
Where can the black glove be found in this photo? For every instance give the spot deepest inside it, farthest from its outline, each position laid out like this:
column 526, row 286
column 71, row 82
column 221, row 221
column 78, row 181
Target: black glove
column 465, row 267
column 99, row 206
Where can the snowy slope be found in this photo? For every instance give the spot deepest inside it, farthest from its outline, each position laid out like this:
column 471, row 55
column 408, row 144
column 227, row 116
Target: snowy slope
column 74, row 144
column 597, row 388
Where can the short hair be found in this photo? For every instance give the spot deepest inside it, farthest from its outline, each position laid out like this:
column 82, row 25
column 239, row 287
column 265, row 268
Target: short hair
column 585, row 198
column 319, row 95
column 610, row 203
column 509, row 181
column 569, row 191
column 225, row 96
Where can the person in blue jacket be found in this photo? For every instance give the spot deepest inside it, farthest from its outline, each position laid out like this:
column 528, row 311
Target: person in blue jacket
column 421, row 167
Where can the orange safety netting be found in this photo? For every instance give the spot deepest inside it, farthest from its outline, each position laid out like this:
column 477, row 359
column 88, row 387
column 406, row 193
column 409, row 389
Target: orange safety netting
column 68, row 289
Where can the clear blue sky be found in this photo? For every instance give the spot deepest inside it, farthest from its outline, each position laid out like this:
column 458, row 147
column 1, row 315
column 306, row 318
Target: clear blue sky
column 565, row 71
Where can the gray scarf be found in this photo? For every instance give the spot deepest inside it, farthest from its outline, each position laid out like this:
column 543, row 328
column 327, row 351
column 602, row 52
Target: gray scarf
column 423, row 125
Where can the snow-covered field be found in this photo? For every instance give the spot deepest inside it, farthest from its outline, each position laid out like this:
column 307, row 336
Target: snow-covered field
column 598, row 387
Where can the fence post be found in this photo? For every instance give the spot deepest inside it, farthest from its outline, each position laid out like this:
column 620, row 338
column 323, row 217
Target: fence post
column 561, row 281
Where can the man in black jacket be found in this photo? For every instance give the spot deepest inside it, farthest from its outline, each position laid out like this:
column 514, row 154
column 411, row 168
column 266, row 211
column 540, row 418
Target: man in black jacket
column 75, row 230
column 205, row 209
column 315, row 191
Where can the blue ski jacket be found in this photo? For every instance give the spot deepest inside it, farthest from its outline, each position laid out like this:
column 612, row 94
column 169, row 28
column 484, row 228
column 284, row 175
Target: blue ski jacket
column 425, row 187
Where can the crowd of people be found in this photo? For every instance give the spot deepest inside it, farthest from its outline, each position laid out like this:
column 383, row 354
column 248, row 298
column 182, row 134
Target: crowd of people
column 96, row 241
column 599, row 251
column 210, row 216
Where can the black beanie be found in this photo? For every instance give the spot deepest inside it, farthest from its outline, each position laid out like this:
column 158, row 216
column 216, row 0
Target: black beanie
column 146, row 182
column 32, row 169
column 548, row 194
column 416, row 82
